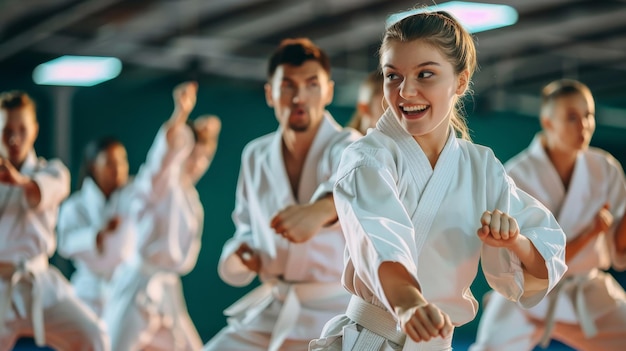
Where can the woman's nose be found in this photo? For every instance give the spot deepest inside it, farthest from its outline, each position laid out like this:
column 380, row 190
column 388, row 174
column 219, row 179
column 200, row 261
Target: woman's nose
column 408, row 89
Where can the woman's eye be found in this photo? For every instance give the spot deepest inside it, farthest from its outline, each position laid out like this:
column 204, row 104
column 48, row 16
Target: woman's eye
column 425, row 74
column 391, row 76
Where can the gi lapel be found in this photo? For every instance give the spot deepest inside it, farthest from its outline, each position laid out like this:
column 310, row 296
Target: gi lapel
column 436, row 189
column 420, row 166
column 277, row 196
column 548, row 188
column 7, row 220
column 575, row 211
column 280, row 186
column 434, row 183
column 309, row 180
column 93, row 202
column 569, row 206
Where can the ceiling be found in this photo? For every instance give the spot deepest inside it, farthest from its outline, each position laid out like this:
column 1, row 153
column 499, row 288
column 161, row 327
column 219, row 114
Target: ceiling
column 584, row 39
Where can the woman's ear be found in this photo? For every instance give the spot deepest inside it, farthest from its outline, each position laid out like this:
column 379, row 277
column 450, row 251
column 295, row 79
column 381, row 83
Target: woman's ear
column 462, row 83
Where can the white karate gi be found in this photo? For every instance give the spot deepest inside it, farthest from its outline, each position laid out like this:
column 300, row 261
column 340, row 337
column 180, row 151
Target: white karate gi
column 81, row 217
column 394, row 207
column 147, row 309
column 36, row 299
column 301, row 287
column 589, row 305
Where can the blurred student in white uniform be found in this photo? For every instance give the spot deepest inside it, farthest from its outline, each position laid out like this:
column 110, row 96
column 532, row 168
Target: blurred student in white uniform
column 96, row 229
column 369, row 107
column 147, row 310
column 586, row 190
column 286, row 225
column 35, row 299
column 420, row 205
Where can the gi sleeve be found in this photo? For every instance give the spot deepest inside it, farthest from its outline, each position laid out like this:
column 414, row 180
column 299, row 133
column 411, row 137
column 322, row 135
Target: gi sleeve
column 75, row 234
column 230, row 267
column 178, row 221
column 77, row 240
column 375, row 223
column 616, row 195
column 53, row 180
column 163, row 164
column 502, row 268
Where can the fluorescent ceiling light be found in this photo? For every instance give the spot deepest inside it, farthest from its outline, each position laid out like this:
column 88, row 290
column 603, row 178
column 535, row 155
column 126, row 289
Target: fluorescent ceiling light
column 475, row 17
column 83, row 71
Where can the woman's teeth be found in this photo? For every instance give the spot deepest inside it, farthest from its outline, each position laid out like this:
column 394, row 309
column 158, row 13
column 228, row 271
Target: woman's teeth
column 414, row 108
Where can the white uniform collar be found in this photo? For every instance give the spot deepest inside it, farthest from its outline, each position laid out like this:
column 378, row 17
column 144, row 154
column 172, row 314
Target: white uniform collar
column 92, row 191
column 30, row 163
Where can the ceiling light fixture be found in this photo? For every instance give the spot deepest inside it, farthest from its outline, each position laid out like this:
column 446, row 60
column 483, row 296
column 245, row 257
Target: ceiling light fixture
column 77, row 70
column 475, row 17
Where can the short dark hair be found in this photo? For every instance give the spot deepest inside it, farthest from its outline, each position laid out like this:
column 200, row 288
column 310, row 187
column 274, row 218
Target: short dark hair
column 296, row 52
column 91, row 152
column 15, row 99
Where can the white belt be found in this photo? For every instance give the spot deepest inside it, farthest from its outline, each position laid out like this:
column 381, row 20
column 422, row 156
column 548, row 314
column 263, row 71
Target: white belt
column 375, row 319
column 293, row 295
column 379, row 326
column 27, row 270
column 576, row 282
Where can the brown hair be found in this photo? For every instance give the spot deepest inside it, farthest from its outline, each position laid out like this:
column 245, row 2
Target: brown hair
column 443, row 31
column 15, row 99
column 558, row 89
column 372, row 85
column 296, row 52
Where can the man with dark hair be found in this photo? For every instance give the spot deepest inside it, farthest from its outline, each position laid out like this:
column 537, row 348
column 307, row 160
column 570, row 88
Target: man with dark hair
column 286, row 224
column 35, row 299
